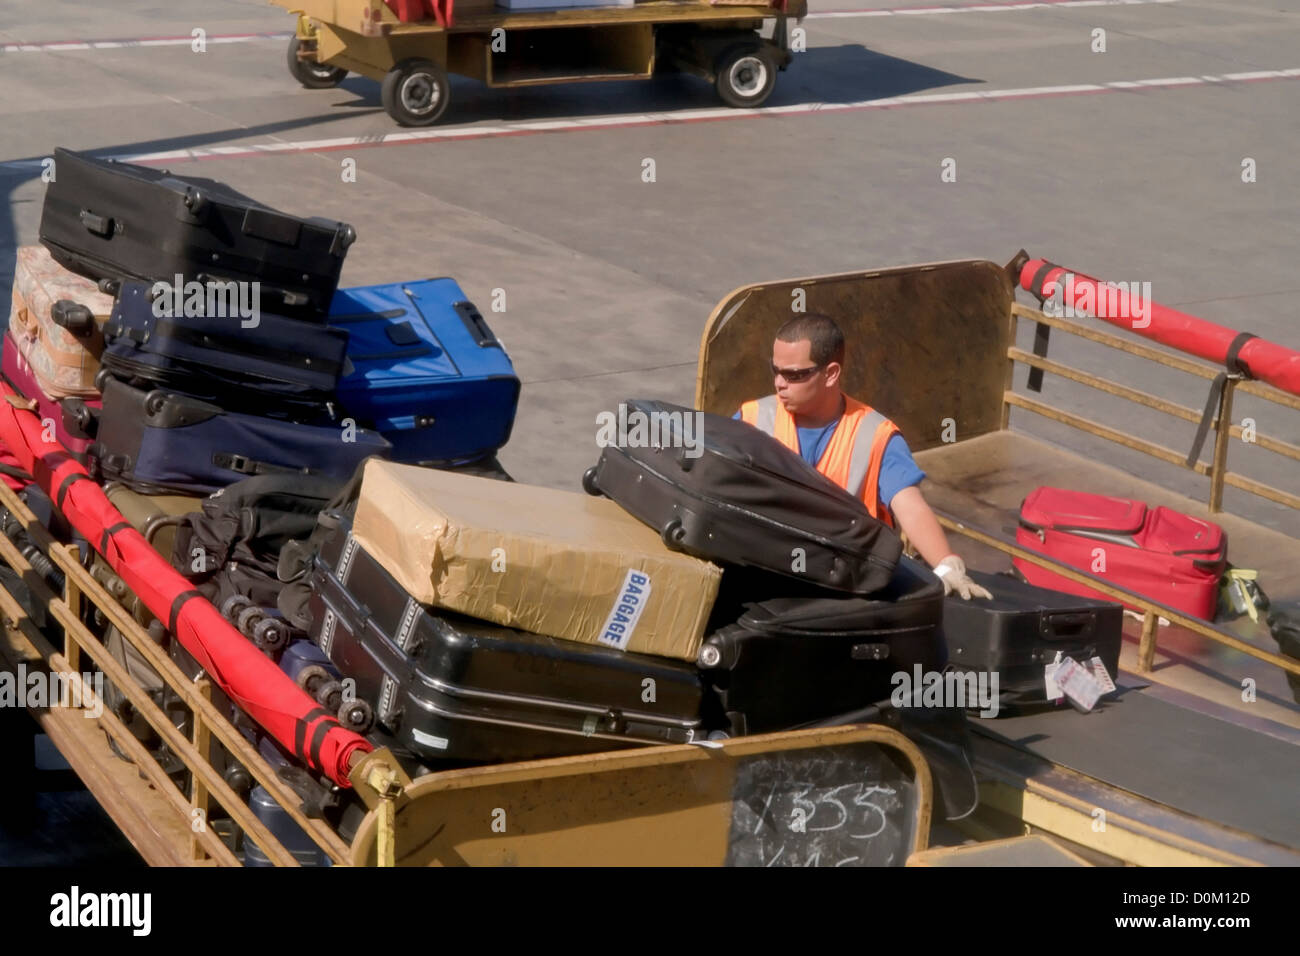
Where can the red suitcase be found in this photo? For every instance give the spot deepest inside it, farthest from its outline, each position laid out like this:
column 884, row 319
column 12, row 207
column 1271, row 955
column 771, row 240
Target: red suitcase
column 21, row 377
column 1163, row 554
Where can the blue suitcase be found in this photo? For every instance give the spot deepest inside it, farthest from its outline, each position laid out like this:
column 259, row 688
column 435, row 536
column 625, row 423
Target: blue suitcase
column 427, row 373
column 161, row 441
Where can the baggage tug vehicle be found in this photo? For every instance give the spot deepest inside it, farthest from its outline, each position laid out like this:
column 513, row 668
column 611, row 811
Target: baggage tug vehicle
column 1180, row 766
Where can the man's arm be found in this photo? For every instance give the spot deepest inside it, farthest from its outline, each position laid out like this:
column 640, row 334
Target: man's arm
column 913, row 516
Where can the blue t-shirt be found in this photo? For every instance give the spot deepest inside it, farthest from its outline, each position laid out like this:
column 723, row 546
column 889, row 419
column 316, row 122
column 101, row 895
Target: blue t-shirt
column 898, row 470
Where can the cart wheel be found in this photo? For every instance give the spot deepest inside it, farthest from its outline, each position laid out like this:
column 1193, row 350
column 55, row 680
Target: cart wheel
column 314, row 76
column 746, row 75
column 416, row 92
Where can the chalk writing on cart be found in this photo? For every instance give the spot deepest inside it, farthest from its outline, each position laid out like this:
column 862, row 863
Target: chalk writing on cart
column 845, row 806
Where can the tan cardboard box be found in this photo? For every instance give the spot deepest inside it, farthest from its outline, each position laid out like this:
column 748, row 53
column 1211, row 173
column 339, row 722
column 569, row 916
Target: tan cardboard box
column 552, row 562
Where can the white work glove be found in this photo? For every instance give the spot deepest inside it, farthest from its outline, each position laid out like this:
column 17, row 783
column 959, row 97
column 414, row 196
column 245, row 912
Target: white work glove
column 952, row 572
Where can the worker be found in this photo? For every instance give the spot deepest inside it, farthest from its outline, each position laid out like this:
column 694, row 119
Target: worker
column 849, row 442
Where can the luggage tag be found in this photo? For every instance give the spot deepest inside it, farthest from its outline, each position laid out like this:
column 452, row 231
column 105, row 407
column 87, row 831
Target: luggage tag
column 1101, row 675
column 1242, row 592
column 1066, row 677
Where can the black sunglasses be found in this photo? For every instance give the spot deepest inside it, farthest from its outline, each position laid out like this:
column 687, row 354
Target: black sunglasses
column 796, row 375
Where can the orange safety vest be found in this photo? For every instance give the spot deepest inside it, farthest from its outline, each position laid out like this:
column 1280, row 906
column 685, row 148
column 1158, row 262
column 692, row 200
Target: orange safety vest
column 852, row 457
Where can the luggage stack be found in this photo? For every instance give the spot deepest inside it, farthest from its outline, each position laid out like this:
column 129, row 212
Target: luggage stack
column 183, row 340
column 211, row 328
column 818, row 607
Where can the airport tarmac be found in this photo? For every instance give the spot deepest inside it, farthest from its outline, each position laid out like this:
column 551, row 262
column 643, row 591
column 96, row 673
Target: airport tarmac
column 1125, row 164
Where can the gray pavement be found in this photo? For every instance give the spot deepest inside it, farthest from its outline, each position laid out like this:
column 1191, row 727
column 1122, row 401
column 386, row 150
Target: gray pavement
column 609, row 279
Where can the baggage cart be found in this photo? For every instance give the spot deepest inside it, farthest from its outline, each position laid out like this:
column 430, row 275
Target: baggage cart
column 1199, row 766
column 504, row 48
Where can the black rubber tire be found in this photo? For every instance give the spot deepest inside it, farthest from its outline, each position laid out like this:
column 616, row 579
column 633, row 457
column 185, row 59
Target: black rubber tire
column 416, row 92
column 746, row 75
column 589, row 483
column 673, row 534
column 314, row 76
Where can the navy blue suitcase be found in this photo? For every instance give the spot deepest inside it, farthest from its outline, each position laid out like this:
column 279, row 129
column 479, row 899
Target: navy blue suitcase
column 162, row 441
column 272, row 359
column 427, row 372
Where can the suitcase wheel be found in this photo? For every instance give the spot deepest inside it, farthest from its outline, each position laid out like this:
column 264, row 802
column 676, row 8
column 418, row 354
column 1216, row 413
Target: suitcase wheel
column 233, row 605
column 330, row 695
column 710, row 656
column 357, row 716
column 271, row 635
column 673, row 534
column 73, row 316
column 589, row 482
column 238, row 780
column 311, row 677
column 249, row 618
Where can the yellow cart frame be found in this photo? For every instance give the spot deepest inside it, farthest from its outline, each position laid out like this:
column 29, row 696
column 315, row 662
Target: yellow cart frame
column 719, row 42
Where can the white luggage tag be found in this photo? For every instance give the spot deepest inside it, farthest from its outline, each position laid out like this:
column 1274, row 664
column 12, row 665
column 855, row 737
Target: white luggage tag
column 1101, row 675
column 1077, row 684
column 1049, row 678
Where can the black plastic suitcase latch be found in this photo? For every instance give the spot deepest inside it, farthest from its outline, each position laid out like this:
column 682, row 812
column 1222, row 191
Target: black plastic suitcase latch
column 97, row 224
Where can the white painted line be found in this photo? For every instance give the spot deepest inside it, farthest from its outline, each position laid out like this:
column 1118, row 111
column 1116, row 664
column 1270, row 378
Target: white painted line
column 628, row 120
column 979, row 8
column 59, row 46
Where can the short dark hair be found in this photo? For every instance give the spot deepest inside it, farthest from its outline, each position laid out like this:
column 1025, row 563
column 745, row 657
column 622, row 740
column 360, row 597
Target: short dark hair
column 824, row 336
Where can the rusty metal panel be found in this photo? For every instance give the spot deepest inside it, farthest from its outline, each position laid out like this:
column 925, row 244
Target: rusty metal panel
column 925, row 343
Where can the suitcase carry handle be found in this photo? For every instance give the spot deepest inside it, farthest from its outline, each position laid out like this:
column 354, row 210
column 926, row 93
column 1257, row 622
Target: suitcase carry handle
column 98, row 225
column 477, row 326
column 1069, row 626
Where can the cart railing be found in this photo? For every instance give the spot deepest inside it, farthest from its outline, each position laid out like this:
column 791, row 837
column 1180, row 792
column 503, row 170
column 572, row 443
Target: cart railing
column 207, row 786
column 1218, row 471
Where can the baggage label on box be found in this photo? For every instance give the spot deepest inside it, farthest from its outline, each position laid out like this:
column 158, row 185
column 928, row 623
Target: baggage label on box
column 625, row 614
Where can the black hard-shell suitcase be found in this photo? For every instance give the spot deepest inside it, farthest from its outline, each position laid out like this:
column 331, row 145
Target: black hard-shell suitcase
column 451, row 687
column 1021, row 630
column 111, row 220
column 724, row 491
column 161, row 441
column 276, row 359
column 790, row 661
